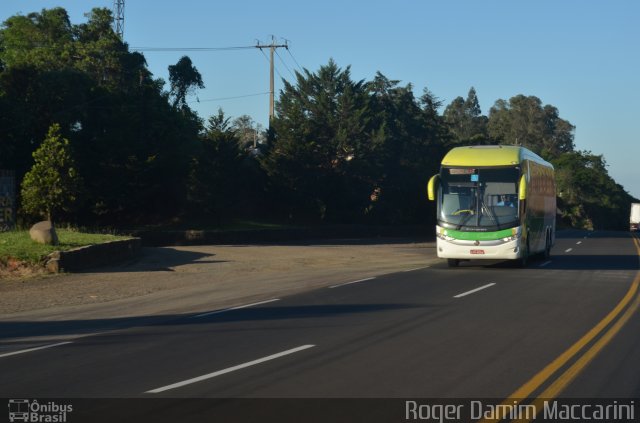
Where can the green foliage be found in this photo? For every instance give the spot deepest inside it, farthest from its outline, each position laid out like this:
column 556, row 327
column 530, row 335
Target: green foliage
column 524, row 121
column 184, row 79
column 409, row 143
column 216, row 171
column 40, row 40
column 19, row 245
column 132, row 147
column 465, row 121
column 338, row 150
column 588, row 197
column 344, row 151
column 320, row 137
column 52, row 184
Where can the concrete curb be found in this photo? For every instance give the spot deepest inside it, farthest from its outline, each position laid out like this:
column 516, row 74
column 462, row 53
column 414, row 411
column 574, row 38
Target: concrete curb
column 93, row 255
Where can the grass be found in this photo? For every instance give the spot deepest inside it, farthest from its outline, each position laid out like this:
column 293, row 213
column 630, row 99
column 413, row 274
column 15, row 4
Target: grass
column 18, row 244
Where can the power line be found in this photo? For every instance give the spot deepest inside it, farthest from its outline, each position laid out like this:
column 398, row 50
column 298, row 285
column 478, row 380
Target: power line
column 276, row 69
column 191, row 48
column 119, row 30
column 285, row 65
column 294, row 59
column 229, row 98
column 272, row 49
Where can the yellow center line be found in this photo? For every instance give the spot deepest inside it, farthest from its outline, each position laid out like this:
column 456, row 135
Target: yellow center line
column 563, row 381
column 572, row 372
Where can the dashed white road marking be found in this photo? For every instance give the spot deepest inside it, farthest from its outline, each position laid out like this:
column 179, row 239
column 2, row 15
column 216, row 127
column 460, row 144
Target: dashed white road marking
column 474, row 290
column 228, row 370
column 34, row 349
column 568, row 250
column 235, row 308
column 349, row 283
column 417, row 268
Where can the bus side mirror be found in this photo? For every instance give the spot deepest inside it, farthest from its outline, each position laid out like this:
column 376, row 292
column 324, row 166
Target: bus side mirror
column 432, row 186
column 522, row 191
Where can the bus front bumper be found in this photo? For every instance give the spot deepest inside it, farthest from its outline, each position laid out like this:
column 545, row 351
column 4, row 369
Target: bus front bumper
column 474, row 250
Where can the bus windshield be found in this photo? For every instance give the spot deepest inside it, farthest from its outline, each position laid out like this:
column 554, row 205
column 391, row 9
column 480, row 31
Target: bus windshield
column 480, row 198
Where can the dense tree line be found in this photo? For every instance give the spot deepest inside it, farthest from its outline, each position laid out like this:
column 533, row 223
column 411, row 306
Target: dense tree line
column 338, row 150
column 344, row 150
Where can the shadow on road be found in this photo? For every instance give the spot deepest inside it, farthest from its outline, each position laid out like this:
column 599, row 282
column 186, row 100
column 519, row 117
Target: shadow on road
column 429, row 241
column 24, row 329
column 160, row 259
column 559, row 262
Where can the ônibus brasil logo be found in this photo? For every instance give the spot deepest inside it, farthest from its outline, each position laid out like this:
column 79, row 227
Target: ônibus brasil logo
column 24, row 410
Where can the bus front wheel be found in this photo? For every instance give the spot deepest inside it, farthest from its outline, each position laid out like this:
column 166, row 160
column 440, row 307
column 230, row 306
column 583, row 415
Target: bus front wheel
column 453, row 262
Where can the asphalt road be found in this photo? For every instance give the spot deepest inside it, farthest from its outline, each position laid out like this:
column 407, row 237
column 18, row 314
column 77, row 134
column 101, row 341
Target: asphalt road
column 562, row 328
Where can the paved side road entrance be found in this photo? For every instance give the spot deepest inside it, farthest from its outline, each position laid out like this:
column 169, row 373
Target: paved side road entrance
column 199, row 278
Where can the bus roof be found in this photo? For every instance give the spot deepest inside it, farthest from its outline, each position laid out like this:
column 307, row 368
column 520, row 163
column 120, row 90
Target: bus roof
column 490, row 155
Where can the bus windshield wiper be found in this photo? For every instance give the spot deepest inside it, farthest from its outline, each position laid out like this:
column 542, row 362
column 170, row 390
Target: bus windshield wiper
column 490, row 213
column 464, row 220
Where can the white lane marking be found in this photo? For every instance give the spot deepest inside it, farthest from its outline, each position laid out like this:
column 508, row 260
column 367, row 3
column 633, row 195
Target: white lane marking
column 579, row 242
column 34, row 349
column 235, row 308
column 568, row 250
column 417, row 268
column 545, row 263
column 474, row 290
column 349, row 283
column 228, row 370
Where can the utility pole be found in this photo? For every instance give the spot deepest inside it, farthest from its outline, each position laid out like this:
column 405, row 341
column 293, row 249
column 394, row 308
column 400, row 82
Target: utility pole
column 118, row 18
column 272, row 48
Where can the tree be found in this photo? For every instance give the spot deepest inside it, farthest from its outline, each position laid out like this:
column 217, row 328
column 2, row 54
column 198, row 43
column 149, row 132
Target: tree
column 430, row 104
column 352, row 151
column 184, row 79
column 465, row 120
column 216, row 172
column 588, row 197
column 132, row 147
column 52, row 184
column 37, row 39
column 247, row 131
column 320, row 141
column 524, row 121
column 406, row 148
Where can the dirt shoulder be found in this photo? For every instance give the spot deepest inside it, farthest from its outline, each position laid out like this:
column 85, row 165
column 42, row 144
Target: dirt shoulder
column 172, row 280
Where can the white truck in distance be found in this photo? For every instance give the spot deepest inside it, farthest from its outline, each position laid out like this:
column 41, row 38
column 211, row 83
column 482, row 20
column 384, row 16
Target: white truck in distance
column 634, row 219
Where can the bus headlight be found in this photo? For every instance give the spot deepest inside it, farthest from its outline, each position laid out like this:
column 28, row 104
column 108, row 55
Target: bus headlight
column 515, row 233
column 441, row 233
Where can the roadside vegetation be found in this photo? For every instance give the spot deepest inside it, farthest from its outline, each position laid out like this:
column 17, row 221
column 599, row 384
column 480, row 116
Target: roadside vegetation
column 17, row 246
column 338, row 151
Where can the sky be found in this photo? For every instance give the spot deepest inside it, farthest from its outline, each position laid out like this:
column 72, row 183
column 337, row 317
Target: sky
column 581, row 56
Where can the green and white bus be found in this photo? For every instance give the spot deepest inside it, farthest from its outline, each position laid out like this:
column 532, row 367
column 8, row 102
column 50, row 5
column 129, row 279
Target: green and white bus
column 494, row 202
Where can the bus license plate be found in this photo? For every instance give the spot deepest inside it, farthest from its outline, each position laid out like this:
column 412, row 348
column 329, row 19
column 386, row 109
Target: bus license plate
column 477, row 251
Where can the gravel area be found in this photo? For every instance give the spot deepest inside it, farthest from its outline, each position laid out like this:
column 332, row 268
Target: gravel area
column 173, row 280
